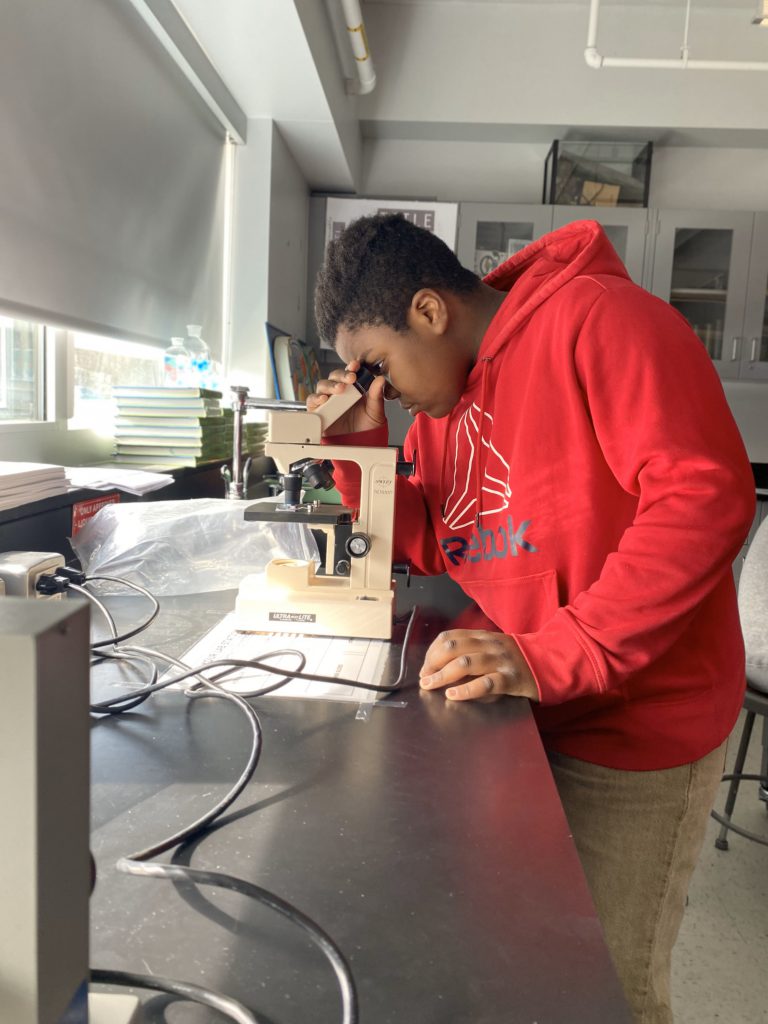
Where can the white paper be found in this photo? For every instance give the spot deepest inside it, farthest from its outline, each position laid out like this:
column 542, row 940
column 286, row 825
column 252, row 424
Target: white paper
column 108, row 478
column 358, row 659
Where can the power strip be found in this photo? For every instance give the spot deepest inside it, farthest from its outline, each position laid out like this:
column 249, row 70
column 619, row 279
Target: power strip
column 20, row 571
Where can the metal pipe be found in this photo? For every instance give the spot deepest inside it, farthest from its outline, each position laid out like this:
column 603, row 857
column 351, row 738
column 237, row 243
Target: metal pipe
column 358, row 40
column 596, row 60
column 236, row 479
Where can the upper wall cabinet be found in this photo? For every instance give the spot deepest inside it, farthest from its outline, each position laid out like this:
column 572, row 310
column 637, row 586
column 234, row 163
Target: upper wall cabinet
column 489, row 233
column 754, row 353
column 626, row 228
column 701, row 266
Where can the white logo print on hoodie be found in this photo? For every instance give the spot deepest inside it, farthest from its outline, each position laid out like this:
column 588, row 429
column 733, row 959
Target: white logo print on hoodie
column 460, row 507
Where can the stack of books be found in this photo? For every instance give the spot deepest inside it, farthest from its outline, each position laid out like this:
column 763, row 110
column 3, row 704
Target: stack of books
column 165, row 426
column 254, row 436
column 22, row 482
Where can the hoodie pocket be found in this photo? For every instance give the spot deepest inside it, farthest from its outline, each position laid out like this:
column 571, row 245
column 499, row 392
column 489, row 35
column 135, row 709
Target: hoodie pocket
column 517, row 604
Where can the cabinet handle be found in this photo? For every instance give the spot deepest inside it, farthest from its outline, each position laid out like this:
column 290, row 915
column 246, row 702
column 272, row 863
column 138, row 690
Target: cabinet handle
column 735, row 349
column 753, row 351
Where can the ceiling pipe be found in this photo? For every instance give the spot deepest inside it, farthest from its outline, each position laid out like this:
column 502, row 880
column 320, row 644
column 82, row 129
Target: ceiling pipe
column 359, row 42
column 682, row 63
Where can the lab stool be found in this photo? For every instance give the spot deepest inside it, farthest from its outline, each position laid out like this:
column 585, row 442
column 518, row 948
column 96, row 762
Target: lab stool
column 755, row 703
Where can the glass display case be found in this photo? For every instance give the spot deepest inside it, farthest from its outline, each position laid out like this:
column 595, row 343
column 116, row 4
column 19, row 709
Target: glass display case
column 597, row 173
column 700, row 266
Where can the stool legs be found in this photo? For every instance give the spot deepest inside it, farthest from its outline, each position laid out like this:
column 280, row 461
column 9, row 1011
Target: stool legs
column 722, row 842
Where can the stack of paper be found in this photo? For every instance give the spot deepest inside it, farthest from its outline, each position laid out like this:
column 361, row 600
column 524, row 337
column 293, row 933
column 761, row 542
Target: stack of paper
column 166, row 426
column 22, row 482
column 109, row 478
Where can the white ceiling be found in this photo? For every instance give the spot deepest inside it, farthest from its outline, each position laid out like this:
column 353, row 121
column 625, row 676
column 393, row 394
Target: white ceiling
column 280, row 60
column 695, row 4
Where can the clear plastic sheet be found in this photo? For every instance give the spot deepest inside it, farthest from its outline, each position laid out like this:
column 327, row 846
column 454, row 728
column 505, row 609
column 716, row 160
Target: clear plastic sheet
column 185, row 547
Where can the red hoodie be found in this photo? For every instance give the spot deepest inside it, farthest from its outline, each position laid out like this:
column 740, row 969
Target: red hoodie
column 590, row 492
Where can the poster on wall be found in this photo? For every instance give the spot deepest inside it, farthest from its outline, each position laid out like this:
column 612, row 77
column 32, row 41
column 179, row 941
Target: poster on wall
column 440, row 218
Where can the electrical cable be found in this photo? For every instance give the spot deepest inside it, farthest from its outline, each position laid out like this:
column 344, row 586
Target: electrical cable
column 183, row 989
column 136, row 864
column 138, row 629
column 128, row 701
column 320, row 938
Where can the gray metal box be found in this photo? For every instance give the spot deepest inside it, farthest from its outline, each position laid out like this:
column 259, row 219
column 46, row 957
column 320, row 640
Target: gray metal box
column 44, row 799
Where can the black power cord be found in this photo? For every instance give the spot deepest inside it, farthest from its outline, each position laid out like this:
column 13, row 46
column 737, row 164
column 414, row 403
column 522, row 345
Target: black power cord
column 183, row 989
column 137, row 863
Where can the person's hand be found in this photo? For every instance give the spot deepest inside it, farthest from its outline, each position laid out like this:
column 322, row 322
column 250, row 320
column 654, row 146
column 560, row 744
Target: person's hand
column 476, row 663
column 367, row 414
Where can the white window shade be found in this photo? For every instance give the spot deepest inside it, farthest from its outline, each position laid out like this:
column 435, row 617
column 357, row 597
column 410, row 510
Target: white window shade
column 111, row 176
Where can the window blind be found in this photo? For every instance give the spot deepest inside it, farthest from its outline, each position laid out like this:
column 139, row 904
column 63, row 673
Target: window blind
column 111, row 176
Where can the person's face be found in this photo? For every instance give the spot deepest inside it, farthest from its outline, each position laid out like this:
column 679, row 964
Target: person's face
column 425, row 369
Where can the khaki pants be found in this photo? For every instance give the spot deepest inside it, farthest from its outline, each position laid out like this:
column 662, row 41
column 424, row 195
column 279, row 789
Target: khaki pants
column 639, row 835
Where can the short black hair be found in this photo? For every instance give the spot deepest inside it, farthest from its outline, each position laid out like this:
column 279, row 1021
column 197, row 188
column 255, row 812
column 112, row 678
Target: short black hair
column 375, row 267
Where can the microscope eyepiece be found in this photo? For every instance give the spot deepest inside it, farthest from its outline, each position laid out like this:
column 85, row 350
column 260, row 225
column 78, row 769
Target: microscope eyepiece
column 366, row 376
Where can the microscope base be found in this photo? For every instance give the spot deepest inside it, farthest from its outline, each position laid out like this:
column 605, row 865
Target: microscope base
column 325, row 606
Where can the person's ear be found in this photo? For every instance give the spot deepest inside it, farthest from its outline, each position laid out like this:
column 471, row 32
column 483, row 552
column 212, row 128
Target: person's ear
column 428, row 312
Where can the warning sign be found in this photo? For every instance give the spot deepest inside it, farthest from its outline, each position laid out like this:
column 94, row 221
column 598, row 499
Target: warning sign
column 82, row 511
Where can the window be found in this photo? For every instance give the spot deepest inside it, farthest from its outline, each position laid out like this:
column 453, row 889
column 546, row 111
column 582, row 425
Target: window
column 100, row 362
column 22, row 370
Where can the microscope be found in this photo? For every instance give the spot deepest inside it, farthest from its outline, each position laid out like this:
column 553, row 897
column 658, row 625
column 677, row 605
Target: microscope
column 351, row 594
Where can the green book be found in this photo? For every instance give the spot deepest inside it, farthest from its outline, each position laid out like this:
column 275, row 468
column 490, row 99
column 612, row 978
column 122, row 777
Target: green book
column 139, row 391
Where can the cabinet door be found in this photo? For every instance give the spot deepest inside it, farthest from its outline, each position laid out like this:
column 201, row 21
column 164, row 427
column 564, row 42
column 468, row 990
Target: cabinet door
column 754, row 360
column 491, row 232
column 700, row 264
column 627, row 230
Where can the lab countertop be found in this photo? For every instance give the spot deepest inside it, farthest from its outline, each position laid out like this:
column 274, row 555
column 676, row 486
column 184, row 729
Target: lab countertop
column 426, row 838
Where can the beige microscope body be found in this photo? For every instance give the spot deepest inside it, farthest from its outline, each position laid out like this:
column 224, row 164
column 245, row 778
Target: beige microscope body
column 355, row 596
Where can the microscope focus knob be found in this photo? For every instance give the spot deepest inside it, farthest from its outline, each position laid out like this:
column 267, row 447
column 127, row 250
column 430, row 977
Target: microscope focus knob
column 358, row 545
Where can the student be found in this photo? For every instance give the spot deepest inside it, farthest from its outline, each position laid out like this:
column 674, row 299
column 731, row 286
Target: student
column 579, row 474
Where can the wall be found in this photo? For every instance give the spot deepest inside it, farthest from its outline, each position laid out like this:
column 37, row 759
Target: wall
column 682, row 177
column 250, row 256
column 269, row 252
column 287, row 306
column 522, row 65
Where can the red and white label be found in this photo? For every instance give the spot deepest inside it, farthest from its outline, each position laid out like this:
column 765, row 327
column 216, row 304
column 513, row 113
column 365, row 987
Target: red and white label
column 82, row 511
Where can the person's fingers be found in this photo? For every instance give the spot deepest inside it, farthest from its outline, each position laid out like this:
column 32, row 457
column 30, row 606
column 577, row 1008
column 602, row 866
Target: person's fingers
column 471, row 663
column 315, row 400
column 474, row 689
column 444, row 648
column 461, row 658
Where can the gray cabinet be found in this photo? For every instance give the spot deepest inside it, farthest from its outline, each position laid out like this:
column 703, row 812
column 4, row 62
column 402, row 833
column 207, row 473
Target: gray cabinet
column 701, row 265
column 491, row 232
column 712, row 266
column 754, row 349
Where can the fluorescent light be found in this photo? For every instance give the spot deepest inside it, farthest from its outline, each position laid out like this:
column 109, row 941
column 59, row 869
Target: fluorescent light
column 761, row 15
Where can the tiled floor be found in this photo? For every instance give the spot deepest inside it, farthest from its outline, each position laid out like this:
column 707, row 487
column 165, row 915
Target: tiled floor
column 720, row 966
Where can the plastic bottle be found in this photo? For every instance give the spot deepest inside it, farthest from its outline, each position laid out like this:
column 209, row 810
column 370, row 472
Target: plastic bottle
column 176, row 364
column 200, row 357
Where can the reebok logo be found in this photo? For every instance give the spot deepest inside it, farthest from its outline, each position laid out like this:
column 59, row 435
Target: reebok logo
column 485, row 545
